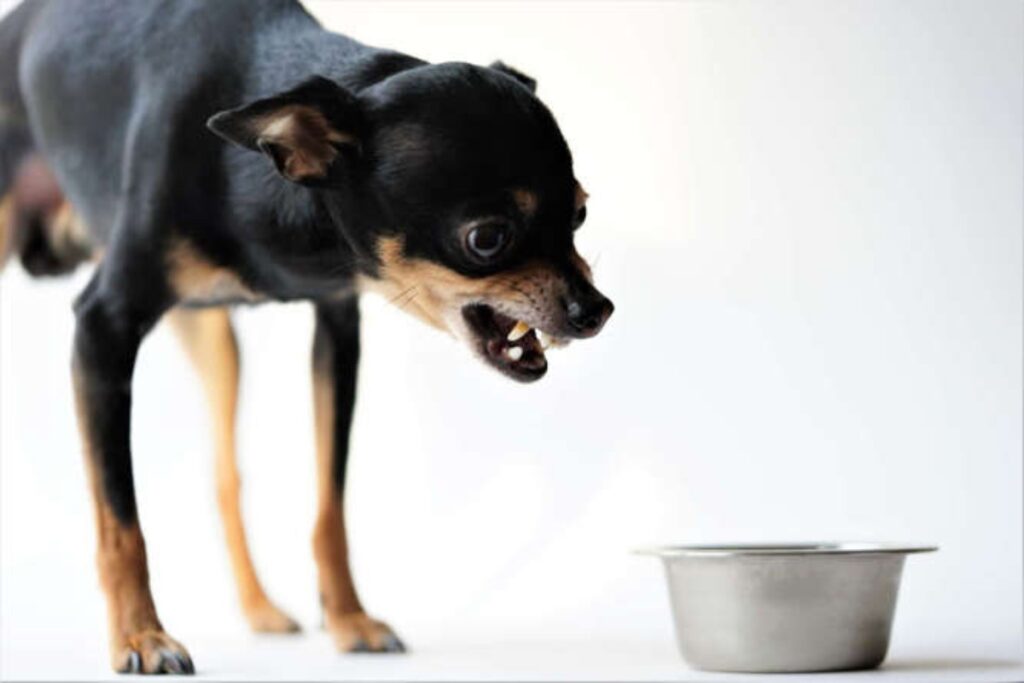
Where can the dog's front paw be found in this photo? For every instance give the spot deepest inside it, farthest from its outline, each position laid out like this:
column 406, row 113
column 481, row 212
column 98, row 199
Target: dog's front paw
column 265, row 617
column 357, row 632
column 151, row 652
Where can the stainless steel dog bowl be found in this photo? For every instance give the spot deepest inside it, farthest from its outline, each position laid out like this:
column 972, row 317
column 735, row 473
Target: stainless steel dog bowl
column 784, row 608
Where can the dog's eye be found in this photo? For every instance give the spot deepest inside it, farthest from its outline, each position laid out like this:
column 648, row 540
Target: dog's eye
column 581, row 215
column 485, row 241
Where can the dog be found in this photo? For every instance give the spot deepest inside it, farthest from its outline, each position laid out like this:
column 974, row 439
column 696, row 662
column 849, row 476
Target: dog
column 207, row 154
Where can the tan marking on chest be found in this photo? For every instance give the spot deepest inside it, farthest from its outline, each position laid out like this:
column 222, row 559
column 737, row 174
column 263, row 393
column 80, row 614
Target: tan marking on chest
column 196, row 280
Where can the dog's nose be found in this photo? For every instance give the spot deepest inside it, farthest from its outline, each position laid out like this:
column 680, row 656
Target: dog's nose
column 588, row 315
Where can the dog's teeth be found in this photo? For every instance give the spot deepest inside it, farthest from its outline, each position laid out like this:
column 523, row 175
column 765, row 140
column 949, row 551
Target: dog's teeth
column 519, row 331
column 551, row 342
column 514, row 352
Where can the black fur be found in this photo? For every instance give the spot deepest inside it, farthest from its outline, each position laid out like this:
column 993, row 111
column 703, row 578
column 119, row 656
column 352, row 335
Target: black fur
column 152, row 118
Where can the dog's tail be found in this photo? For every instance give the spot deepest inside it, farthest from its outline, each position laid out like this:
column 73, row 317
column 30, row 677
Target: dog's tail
column 35, row 220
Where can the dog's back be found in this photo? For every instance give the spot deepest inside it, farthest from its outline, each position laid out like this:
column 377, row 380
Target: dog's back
column 64, row 124
column 77, row 91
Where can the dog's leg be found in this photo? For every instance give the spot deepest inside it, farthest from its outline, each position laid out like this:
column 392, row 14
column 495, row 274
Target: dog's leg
column 335, row 361
column 209, row 339
column 107, row 337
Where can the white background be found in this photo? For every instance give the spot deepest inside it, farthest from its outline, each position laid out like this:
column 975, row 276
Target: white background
column 809, row 217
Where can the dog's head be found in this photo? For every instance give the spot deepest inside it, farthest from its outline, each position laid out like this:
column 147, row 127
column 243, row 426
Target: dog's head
column 455, row 184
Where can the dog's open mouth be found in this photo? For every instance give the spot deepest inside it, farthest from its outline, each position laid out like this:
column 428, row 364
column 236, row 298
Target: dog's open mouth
column 510, row 345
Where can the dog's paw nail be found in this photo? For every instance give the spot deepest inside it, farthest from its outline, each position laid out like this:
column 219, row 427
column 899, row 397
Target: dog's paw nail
column 133, row 664
column 151, row 651
column 357, row 632
column 392, row 644
column 174, row 663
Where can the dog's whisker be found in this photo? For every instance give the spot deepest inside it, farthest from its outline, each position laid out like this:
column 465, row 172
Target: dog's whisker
column 343, row 267
column 519, row 290
column 408, row 301
column 405, row 297
column 401, row 295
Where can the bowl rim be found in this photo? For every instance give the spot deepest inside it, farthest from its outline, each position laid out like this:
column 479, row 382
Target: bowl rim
column 789, row 549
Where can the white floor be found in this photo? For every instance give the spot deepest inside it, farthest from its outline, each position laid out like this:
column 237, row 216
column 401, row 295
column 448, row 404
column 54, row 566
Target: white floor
column 310, row 657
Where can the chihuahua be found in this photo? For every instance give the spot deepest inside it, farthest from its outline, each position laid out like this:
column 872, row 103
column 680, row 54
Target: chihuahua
column 207, row 154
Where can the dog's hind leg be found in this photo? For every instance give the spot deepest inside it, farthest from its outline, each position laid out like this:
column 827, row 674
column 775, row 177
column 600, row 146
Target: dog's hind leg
column 209, row 339
column 6, row 228
column 39, row 224
column 335, row 362
column 15, row 138
column 15, row 147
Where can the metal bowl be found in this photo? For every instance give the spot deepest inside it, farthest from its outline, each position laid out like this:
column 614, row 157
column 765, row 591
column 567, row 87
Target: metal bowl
column 784, row 608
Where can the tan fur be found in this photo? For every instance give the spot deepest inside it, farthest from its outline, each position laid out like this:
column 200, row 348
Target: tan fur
column 121, row 561
column 195, row 280
column 330, row 544
column 526, row 201
column 581, row 265
column 306, row 135
column 6, row 227
column 209, row 339
column 65, row 232
column 574, row 257
column 349, row 625
column 581, row 196
column 427, row 289
column 69, row 234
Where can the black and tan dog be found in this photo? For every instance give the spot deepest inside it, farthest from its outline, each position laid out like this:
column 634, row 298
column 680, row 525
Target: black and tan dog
column 211, row 153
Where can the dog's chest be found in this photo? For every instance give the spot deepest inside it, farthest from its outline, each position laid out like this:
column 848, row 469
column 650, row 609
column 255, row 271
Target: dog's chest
column 198, row 282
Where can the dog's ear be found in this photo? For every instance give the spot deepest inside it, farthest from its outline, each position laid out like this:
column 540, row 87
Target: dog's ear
column 303, row 130
column 504, row 68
